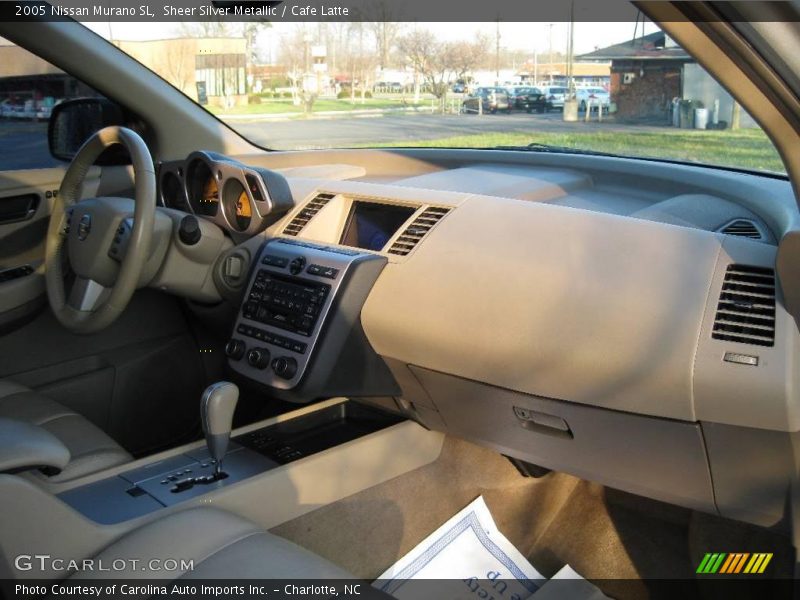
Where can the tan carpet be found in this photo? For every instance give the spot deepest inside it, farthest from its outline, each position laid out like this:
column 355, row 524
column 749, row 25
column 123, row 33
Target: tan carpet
column 554, row 520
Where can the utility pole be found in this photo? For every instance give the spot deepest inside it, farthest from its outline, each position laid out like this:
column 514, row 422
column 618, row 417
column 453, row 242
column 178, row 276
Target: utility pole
column 497, row 54
column 736, row 113
column 570, row 46
column 550, row 47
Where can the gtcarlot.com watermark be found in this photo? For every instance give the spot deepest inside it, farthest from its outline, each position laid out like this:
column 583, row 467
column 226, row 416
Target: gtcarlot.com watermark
column 46, row 562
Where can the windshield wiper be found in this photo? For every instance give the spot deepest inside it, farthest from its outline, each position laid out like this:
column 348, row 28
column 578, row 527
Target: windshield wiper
column 537, row 147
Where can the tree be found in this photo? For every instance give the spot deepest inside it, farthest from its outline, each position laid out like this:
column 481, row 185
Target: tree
column 250, row 31
column 295, row 55
column 466, row 56
column 177, row 64
column 382, row 22
column 385, row 34
column 441, row 63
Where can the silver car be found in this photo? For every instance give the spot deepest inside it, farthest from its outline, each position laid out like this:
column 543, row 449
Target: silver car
column 555, row 95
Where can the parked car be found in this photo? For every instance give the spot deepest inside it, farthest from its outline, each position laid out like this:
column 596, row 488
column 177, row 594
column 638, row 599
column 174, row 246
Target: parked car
column 596, row 96
column 487, row 99
column 459, row 88
column 394, row 87
column 555, row 95
column 531, row 99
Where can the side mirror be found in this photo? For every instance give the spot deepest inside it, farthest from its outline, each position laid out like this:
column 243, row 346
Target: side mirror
column 72, row 122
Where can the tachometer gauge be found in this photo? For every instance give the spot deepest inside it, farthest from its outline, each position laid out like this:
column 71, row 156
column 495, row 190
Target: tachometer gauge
column 201, row 185
column 210, row 191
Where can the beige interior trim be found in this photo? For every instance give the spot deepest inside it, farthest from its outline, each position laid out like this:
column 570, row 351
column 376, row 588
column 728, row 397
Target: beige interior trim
column 43, row 524
column 608, row 315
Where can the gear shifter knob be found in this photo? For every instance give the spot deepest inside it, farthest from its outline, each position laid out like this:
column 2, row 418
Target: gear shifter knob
column 216, row 413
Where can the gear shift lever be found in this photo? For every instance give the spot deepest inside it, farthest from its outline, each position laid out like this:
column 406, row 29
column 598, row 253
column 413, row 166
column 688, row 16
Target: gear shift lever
column 216, row 413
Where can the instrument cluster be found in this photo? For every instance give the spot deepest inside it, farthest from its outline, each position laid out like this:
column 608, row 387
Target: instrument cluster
column 237, row 197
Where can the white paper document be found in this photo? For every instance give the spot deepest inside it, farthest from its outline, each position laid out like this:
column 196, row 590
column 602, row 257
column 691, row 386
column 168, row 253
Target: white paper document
column 468, row 558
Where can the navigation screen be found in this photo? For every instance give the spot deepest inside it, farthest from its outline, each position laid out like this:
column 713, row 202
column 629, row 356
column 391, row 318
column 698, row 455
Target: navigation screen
column 370, row 225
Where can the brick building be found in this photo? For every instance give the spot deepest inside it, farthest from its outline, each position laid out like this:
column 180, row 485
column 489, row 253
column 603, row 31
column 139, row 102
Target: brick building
column 646, row 74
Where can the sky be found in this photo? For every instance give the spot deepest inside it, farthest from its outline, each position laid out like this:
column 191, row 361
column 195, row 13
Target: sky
column 531, row 37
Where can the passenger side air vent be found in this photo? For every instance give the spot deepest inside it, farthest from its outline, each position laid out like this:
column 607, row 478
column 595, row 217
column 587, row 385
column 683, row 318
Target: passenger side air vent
column 417, row 230
column 307, row 213
column 742, row 228
column 746, row 309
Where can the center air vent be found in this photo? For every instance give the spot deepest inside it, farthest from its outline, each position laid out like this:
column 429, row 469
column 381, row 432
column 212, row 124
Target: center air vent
column 746, row 309
column 418, row 228
column 307, row 213
column 742, row 228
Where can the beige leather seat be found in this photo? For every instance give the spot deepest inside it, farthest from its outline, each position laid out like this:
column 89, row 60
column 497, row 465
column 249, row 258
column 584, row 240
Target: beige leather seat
column 90, row 448
column 221, row 545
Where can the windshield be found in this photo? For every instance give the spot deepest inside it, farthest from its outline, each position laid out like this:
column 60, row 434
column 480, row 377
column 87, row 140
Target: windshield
column 625, row 88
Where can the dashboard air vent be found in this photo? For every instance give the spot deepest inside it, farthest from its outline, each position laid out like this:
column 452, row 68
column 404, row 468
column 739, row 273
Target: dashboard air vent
column 307, row 213
column 746, row 309
column 418, row 228
column 742, row 228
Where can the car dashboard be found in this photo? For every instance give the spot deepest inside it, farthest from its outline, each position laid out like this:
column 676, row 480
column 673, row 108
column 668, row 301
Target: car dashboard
column 620, row 320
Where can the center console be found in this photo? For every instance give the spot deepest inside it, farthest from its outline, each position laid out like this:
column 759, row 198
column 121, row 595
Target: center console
column 298, row 330
column 190, row 474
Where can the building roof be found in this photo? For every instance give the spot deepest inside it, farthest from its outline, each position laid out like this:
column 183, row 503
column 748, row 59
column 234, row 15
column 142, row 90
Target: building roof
column 653, row 46
column 587, row 69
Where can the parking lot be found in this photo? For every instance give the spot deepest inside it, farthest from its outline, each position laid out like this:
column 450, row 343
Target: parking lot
column 23, row 144
column 407, row 128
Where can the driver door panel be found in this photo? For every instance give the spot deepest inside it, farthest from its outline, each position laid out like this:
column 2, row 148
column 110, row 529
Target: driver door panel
column 139, row 379
column 25, row 201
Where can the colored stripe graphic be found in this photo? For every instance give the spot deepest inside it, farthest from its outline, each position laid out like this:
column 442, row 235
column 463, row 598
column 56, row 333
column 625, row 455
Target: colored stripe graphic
column 704, row 563
column 730, row 563
column 740, row 564
column 758, row 563
column 727, row 564
column 734, row 563
column 711, row 562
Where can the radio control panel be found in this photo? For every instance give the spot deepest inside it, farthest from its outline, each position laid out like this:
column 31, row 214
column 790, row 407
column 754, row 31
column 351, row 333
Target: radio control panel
column 290, row 294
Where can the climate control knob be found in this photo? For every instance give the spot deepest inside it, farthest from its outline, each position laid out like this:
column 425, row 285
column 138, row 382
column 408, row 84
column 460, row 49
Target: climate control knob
column 234, row 349
column 258, row 358
column 285, row 367
column 297, row 265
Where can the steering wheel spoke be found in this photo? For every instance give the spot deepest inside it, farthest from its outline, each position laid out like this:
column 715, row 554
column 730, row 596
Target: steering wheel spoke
column 86, row 294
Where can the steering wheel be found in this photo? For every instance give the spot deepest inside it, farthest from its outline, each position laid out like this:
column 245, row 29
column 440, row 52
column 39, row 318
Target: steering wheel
column 106, row 239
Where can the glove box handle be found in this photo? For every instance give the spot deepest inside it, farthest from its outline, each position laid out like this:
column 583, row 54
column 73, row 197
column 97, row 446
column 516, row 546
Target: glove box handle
column 544, row 423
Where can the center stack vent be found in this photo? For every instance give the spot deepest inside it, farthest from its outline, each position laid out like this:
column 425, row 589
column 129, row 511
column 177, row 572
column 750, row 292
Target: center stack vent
column 307, row 213
column 417, row 230
column 746, row 309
